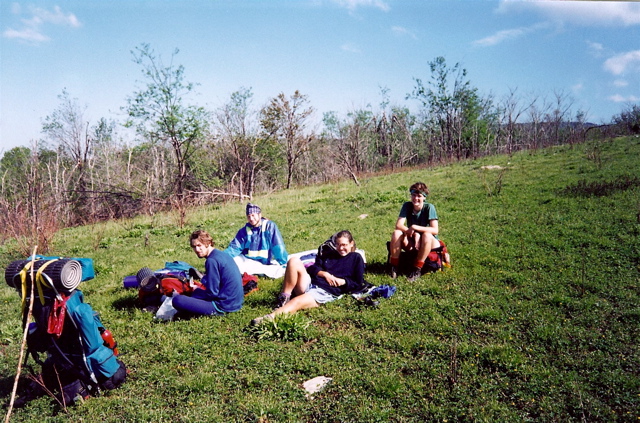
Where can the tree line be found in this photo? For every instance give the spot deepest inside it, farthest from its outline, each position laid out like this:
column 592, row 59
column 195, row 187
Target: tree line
column 170, row 153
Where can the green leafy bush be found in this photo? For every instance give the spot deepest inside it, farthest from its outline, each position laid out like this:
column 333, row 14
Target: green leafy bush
column 283, row 327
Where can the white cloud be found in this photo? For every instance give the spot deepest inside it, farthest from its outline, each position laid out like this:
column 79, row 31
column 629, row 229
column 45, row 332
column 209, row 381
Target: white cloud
column 31, row 29
column 617, row 98
column 354, row 4
column 348, row 47
column 399, row 30
column 26, row 34
column 577, row 88
column 57, row 17
column 507, row 34
column 620, row 63
column 620, row 83
column 580, row 12
column 595, row 48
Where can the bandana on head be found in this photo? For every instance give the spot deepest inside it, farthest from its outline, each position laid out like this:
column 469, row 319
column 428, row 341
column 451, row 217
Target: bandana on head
column 252, row 208
column 415, row 191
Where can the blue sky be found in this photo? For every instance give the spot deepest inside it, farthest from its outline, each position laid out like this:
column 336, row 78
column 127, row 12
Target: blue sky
column 338, row 52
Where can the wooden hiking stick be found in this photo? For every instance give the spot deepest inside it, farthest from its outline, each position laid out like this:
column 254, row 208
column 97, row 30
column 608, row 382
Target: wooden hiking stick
column 24, row 339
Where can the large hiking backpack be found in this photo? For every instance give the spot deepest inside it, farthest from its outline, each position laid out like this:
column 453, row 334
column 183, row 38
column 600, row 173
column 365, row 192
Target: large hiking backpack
column 80, row 352
column 176, row 276
column 436, row 260
column 81, row 358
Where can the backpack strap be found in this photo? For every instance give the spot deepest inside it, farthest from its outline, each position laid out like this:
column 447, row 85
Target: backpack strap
column 57, row 314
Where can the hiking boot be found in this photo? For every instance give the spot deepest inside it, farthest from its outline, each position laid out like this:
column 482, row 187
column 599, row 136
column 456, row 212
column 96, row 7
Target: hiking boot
column 414, row 275
column 369, row 301
column 282, row 300
column 393, row 272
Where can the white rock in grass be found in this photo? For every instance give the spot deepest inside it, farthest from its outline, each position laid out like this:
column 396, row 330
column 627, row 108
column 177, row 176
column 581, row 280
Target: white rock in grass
column 363, row 216
column 316, row 385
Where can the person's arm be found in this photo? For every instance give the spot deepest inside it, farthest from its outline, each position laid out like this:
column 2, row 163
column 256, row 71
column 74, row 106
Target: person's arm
column 354, row 267
column 211, row 278
column 278, row 250
column 356, row 280
column 432, row 228
column 331, row 279
column 432, row 220
column 237, row 244
column 401, row 224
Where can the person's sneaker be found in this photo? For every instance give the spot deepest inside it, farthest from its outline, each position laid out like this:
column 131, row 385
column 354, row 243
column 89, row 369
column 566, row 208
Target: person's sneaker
column 282, row 299
column 414, row 275
column 393, row 272
column 258, row 320
column 447, row 260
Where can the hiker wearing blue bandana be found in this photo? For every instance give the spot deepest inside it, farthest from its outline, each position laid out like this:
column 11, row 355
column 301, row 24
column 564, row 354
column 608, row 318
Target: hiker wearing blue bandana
column 258, row 248
column 416, row 230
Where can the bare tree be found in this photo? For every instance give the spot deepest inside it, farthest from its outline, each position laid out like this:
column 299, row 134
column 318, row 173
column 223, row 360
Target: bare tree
column 241, row 143
column 351, row 140
column 454, row 107
column 67, row 129
column 511, row 112
column 286, row 119
column 160, row 114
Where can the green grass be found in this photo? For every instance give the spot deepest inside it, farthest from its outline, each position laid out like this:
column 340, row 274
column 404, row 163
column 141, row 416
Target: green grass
column 538, row 320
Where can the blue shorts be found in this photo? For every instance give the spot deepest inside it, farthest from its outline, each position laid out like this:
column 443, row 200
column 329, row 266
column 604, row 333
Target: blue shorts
column 320, row 295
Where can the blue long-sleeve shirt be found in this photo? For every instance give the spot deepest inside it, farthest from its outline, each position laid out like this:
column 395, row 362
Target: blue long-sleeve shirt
column 223, row 282
column 263, row 243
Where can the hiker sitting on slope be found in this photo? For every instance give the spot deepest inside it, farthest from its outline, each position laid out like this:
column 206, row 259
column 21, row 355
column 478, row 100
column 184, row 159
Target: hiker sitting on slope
column 258, row 247
column 222, row 292
column 337, row 270
column 416, row 230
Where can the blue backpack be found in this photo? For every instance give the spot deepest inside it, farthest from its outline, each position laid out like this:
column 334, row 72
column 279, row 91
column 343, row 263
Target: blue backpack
column 80, row 359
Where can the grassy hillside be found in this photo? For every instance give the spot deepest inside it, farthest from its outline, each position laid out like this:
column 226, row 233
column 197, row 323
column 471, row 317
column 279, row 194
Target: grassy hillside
column 538, row 320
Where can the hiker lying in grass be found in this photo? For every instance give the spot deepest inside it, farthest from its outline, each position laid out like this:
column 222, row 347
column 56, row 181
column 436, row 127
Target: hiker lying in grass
column 416, row 229
column 258, row 248
column 338, row 270
column 222, row 282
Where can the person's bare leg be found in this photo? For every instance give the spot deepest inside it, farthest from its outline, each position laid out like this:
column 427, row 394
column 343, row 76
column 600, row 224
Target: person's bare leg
column 427, row 243
column 301, row 302
column 397, row 241
column 295, row 280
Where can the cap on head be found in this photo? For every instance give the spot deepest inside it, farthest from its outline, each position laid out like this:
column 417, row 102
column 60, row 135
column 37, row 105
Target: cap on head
column 252, row 208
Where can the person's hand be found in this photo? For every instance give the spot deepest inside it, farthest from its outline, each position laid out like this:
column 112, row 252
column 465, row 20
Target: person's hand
column 332, row 280
column 195, row 273
column 409, row 232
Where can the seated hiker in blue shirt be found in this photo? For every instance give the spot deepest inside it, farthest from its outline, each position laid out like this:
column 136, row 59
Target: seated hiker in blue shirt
column 335, row 272
column 222, row 283
column 258, row 248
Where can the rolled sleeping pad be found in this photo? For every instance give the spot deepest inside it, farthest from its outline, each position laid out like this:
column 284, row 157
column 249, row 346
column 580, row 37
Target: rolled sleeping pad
column 64, row 274
column 88, row 271
column 147, row 279
column 130, row 282
column 12, row 273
